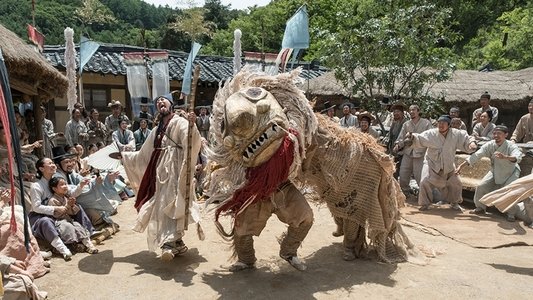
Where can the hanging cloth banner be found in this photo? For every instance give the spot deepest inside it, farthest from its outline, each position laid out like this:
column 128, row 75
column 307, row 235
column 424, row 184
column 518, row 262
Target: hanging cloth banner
column 160, row 76
column 70, row 61
column 87, row 50
column 296, row 37
column 187, row 74
column 36, row 37
column 7, row 115
column 137, row 80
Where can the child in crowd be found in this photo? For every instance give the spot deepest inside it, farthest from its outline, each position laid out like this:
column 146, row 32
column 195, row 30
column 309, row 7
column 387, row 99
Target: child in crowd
column 70, row 231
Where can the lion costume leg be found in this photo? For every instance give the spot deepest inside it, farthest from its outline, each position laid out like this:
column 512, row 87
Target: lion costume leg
column 354, row 240
column 292, row 209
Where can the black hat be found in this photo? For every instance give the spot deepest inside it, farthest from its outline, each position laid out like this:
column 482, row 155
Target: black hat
column 349, row 104
column 327, row 106
column 59, row 154
column 385, row 101
column 144, row 101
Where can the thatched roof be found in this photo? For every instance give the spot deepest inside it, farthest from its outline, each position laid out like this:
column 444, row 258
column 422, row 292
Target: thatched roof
column 464, row 86
column 28, row 68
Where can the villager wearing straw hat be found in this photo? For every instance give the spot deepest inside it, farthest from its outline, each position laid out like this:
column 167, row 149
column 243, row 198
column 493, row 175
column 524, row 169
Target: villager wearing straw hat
column 484, row 101
column 505, row 157
column 158, row 172
column 112, row 121
column 365, row 119
column 438, row 171
column 412, row 159
column 348, row 120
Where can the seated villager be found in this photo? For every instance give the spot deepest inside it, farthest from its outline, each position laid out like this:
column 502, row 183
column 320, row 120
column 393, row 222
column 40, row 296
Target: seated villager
column 12, row 244
column 42, row 215
column 98, row 197
column 142, row 133
column 70, row 231
column 483, row 130
column 17, row 282
column 523, row 132
column 439, row 171
column 505, row 157
column 484, row 101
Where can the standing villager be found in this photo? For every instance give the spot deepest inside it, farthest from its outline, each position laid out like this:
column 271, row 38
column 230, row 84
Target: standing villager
column 158, row 172
column 484, row 101
column 95, row 128
column 112, row 121
column 330, row 112
column 76, row 130
column 505, row 157
column 483, row 130
column 412, row 158
column 144, row 114
column 348, row 120
column 141, row 134
column 365, row 119
column 203, row 123
column 523, row 132
column 438, row 171
column 48, row 134
column 124, row 137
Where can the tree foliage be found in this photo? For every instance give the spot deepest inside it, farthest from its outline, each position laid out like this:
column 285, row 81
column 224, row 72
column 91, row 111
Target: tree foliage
column 395, row 49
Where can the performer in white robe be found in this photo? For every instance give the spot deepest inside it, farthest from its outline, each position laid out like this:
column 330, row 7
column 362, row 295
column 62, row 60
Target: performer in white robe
column 158, row 173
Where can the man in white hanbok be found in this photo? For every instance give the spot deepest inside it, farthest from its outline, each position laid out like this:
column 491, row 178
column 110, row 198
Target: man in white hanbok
column 158, row 172
column 505, row 157
column 438, row 171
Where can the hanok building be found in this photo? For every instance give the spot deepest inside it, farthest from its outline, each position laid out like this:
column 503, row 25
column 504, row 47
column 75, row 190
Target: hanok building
column 104, row 76
column 510, row 92
column 31, row 77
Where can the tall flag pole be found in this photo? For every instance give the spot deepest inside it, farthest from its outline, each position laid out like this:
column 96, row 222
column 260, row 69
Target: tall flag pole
column 7, row 115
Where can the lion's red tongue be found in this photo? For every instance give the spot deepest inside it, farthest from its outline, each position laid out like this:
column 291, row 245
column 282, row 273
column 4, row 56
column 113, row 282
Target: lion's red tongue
column 262, row 180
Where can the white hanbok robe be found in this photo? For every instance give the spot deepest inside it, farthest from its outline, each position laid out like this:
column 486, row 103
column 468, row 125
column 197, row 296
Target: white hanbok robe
column 164, row 214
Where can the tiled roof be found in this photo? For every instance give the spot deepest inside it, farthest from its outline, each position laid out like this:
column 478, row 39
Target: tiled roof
column 109, row 60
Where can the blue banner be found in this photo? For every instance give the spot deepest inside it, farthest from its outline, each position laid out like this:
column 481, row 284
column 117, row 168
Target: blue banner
column 87, row 50
column 296, row 34
column 187, row 75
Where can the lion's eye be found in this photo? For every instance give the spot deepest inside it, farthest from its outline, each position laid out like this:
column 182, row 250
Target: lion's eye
column 255, row 93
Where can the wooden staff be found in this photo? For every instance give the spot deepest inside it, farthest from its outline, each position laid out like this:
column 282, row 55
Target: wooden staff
column 188, row 180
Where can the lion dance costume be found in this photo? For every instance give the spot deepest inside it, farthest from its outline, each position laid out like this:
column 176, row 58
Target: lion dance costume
column 269, row 145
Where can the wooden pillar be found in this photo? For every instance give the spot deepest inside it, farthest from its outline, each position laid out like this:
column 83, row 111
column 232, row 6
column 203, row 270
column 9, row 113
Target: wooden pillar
column 38, row 115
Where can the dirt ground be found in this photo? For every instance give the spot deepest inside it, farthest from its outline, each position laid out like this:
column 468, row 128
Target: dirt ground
column 125, row 269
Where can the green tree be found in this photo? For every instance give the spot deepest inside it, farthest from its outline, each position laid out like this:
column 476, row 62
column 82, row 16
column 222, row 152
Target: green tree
column 394, row 49
column 94, row 12
column 506, row 45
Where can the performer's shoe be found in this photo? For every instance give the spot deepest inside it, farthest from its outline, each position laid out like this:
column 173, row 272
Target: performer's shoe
column 180, row 248
column 295, row 262
column 456, row 206
column 478, row 211
column 239, row 266
column 166, row 254
column 338, row 232
column 348, row 255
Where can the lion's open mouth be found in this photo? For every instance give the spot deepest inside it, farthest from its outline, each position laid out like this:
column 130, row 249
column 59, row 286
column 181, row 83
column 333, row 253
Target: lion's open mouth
column 263, row 141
